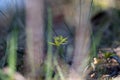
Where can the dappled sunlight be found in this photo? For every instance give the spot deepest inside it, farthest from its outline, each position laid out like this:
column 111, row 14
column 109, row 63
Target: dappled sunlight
column 104, row 3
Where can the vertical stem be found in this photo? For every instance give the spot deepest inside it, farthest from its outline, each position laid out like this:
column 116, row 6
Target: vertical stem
column 49, row 52
column 12, row 57
column 57, row 64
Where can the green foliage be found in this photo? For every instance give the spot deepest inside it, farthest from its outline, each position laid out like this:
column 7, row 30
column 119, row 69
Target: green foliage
column 108, row 55
column 12, row 55
column 51, row 61
column 59, row 40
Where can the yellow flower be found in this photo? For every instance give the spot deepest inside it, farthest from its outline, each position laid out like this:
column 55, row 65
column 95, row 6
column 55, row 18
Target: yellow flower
column 59, row 40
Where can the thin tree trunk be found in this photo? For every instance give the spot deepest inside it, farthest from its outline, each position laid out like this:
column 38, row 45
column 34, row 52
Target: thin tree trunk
column 34, row 29
column 82, row 39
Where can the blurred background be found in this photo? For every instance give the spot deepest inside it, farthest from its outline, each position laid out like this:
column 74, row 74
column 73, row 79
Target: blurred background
column 86, row 26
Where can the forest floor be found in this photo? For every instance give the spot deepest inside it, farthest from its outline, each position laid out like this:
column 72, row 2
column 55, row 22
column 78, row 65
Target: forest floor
column 106, row 66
